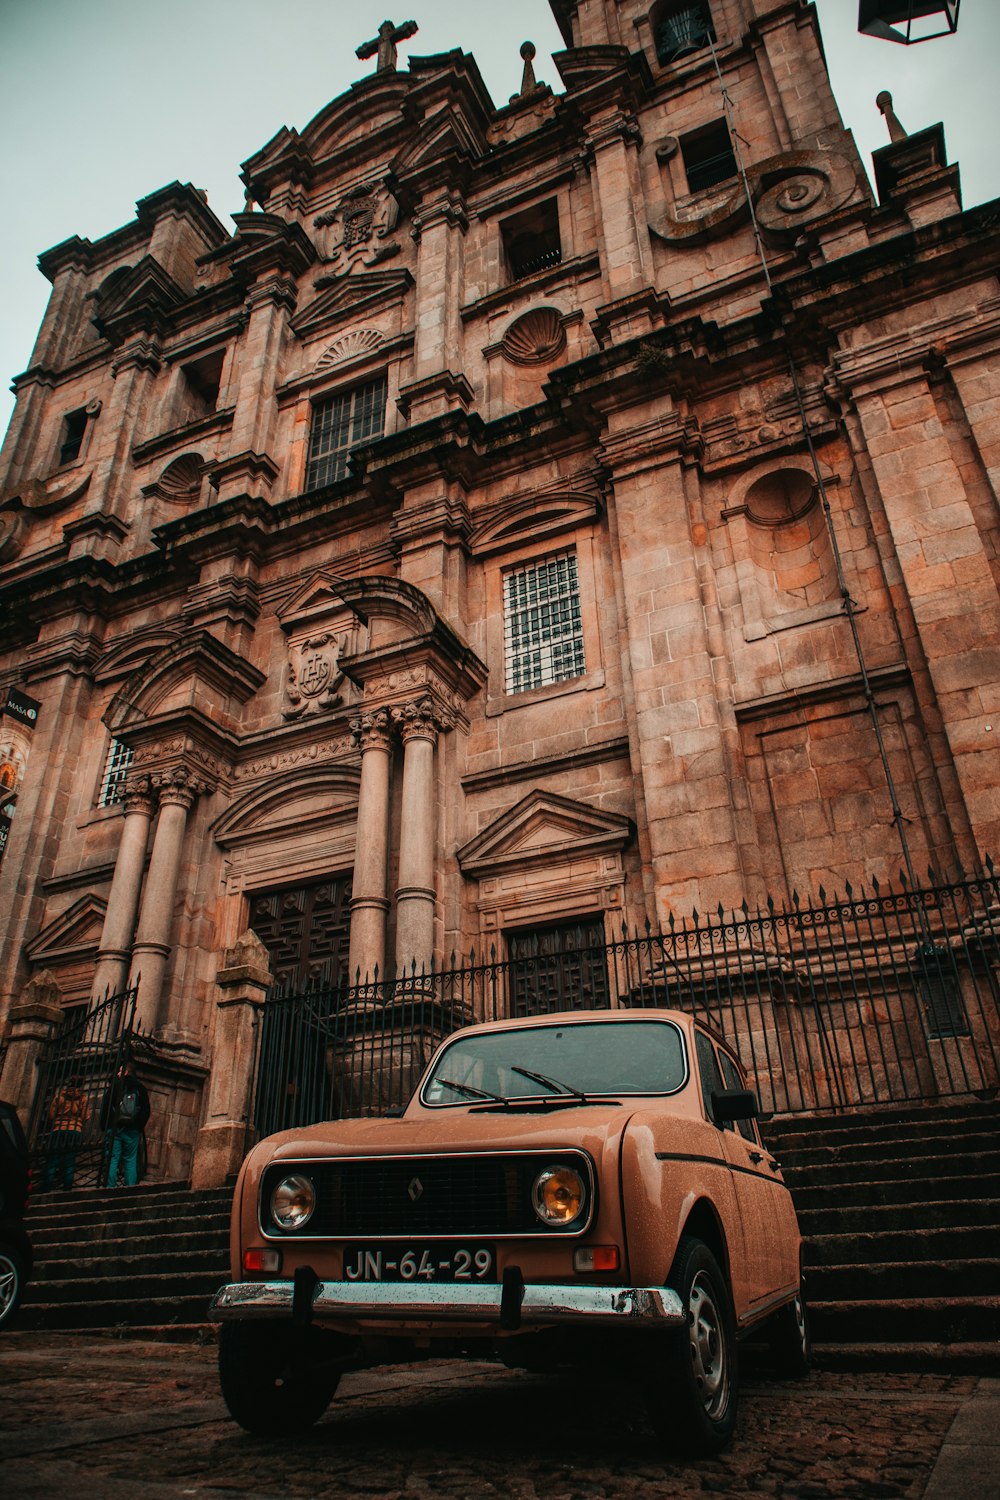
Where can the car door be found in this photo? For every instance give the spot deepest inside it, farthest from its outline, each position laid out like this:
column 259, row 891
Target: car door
column 764, row 1201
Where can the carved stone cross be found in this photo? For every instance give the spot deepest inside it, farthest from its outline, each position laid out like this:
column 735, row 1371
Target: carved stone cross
column 389, row 34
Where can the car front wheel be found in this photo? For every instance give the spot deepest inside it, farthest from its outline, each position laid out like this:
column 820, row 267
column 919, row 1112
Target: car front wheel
column 693, row 1401
column 272, row 1380
column 11, row 1283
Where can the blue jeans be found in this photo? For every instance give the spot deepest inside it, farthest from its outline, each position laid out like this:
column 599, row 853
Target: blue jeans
column 63, row 1146
column 124, row 1149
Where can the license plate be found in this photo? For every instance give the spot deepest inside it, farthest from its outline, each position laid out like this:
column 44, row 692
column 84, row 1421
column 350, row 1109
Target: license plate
column 420, row 1263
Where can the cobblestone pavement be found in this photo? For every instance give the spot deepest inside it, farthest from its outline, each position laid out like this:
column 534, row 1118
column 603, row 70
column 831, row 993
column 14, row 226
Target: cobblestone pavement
column 116, row 1419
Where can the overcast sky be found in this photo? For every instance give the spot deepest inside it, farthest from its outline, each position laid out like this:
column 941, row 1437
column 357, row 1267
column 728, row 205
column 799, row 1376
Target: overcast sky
column 104, row 101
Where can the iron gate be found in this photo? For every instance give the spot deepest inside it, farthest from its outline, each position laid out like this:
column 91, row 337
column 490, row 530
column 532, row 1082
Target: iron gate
column 66, row 1134
column 887, row 995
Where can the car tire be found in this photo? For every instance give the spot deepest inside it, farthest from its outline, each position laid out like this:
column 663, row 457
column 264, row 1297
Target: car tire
column 693, row 1399
column 789, row 1340
column 270, row 1377
column 11, row 1283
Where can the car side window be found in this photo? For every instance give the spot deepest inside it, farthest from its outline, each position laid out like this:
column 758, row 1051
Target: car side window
column 708, row 1068
column 730, row 1072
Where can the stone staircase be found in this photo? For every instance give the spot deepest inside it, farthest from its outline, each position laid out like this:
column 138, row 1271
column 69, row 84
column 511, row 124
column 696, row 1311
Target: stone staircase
column 900, row 1211
column 146, row 1259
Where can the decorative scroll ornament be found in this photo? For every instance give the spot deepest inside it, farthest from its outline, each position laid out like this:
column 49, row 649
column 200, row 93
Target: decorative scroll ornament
column 358, row 228
column 789, row 191
column 314, row 676
column 11, row 537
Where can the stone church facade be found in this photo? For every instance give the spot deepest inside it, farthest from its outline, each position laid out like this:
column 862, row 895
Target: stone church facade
column 529, row 520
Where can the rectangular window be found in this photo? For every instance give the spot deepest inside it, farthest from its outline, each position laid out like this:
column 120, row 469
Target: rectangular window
column 531, row 240
column 543, row 631
column 74, row 427
column 120, row 757
column 708, row 156
column 340, row 424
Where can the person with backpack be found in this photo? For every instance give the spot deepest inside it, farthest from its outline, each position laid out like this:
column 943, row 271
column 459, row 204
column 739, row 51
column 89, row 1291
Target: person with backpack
column 126, row 1110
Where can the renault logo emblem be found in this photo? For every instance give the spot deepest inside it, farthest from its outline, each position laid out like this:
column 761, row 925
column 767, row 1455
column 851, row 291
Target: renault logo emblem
column 415, row 1189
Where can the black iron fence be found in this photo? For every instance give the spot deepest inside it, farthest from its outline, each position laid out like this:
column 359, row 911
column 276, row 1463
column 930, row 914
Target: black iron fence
column 878, row 996
column 67, row 1133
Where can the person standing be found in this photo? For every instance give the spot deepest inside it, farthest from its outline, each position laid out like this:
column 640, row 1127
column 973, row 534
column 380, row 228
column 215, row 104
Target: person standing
column 126, row 1110
column 68, row 1116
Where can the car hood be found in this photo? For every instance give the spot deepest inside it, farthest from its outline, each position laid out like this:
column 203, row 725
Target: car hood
column 591, row 1127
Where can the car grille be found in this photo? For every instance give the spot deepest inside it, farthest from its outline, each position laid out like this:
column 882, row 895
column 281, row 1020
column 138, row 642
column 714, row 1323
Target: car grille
column 411, row 1196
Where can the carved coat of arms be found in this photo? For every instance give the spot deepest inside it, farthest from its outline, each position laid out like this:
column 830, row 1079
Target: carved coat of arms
column 314, row 676
column 357, row 227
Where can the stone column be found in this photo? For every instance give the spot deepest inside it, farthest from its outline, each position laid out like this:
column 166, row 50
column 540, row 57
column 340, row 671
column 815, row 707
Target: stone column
column 415, row 892
column 33, row 1023
column 626, row 256
column 223, row 1139
column 369, row 902
column 152, row 940
column 111, row 973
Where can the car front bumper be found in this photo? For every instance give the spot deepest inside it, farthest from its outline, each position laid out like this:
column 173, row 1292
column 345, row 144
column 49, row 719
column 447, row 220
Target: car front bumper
column 404, row 1302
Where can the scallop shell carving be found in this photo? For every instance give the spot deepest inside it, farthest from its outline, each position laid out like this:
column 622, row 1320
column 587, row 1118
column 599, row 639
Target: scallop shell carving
column 350, row 346
column 535, row 338
column 181, row 480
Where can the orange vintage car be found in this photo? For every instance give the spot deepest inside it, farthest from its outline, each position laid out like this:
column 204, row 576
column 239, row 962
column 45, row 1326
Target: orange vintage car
column 587, row 1186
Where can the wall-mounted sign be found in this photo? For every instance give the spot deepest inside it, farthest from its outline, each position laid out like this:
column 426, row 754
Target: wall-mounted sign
column 19, row 706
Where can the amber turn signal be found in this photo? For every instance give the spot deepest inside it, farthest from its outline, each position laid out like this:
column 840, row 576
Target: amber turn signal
column 597, row 1258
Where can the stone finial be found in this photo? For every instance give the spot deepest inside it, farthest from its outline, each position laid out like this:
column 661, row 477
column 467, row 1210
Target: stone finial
column 42, row 989
column 896, row 131
column 389, row 35
column 528, row 84
column 248, row 952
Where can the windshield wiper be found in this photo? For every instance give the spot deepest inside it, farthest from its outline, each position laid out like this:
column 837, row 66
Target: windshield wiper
column 561, row 1090
column 473, row 1093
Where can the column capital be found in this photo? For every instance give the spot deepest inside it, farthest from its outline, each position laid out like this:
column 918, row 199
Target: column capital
column 421, row 719
column 372, row 730
column 178, row 786
column 139, row 795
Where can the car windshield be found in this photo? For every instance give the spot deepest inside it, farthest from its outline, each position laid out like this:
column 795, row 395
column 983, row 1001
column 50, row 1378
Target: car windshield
column 561, row 1062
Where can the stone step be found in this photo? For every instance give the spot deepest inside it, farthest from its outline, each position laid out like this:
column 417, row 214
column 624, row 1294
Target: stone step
column 794, row 1132
column 906, row 1148
column 916, row 1356
column 951, row 1182
column 905, row 1319
column 58, row 1245
column 892, row 1280
column 136, row 1291
column 940, row 1168
column 98, row 1216
column 914, row 1246
column 115, row 1313
column 831, row 1217
column 128, row 1264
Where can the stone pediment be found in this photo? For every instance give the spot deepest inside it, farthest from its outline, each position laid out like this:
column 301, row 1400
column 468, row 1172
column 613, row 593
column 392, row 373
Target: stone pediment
column 544, row 827
column 445, row 134
column 528, row 517
column 74, row 934
column 145, row 295
column 342, row 298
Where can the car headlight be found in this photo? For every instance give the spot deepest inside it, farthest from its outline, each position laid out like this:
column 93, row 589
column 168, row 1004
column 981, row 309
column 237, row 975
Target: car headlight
column 293, row 1201
column 558, row 1195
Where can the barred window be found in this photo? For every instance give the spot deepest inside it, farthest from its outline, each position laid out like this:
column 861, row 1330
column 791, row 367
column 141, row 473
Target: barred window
column 340, row 424
column 681, row 28
column 543, row 631
column 116, row 766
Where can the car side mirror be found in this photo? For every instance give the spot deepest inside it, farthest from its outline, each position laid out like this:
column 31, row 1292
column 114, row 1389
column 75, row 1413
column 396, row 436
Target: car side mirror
column 733, row 1104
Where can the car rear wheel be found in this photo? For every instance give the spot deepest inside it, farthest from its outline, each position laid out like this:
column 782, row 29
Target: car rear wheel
column 788, row 1336
column 11, row 1283
column 693, row 1401
column 271, row 1378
